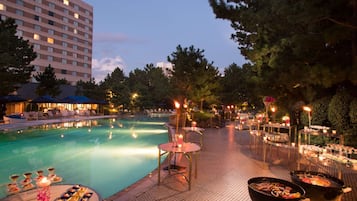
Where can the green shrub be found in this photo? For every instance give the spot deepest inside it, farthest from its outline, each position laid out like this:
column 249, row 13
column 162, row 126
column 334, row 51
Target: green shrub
column 319, row 112
column 338, row 111
column 353, row 111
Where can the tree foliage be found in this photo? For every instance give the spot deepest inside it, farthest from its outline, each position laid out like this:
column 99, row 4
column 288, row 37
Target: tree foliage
column 90, row 89
column 193, row 77
column 48, row 83
column 115, row 85
column 16, row 54
column 298, row 48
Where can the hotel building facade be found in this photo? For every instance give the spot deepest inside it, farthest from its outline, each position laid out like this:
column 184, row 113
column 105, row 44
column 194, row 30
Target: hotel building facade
column 60, row 31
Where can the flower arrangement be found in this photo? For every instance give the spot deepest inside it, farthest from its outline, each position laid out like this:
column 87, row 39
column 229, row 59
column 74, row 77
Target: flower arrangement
column 267, row 100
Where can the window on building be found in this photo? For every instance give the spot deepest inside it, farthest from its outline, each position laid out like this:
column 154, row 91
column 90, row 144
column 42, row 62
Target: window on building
column 2, row 6
column 86, row 12
column 64, row 44
column 74, row 55
column 74, row 63
column 36, row 36
column 76, row 15
column 38, row 1
column 75, row 7
column 50, row 13
column 64, row 52
column 19, row 12
column 49, row 49
column 64, row 61
column 75, row 24
column 86, row 28
column 75, row 39
column 51, row 31
column 65, row 19
column 75, row 47
column 20, row 2
column 51, row 22
column 19, row 33
column 51, row 5
column 87, row 20
column 19, row 22
column 49, row 58
column 65, row 27
column 66, row 2
column 63, row 71
column 75, row 31
column 37, row 27
column 85, row 75
column 85, row 65
column 50, row 40
column 37, row 18
column 36, row 46
column 85, row 58
column 38, row 9
column 65, row 11
column 37, row 68
column 74, row 73
column 65, row 36
column 85, row 50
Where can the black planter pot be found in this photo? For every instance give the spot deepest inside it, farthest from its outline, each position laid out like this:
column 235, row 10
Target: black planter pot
column 257, row 195
column 334, row 192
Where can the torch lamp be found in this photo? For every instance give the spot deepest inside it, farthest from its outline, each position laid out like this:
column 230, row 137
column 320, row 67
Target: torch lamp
column 177, row 106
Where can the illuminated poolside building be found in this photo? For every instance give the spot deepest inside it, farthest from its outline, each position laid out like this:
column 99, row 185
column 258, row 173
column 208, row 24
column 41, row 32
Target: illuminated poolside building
column 60, row 31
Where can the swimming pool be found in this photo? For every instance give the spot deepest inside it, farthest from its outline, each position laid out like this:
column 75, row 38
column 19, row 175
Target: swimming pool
column 105, row 154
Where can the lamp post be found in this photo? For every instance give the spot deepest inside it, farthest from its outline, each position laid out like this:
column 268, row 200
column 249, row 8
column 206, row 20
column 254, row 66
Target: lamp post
column 273, row 110
column 308, row 110
column 177, row 106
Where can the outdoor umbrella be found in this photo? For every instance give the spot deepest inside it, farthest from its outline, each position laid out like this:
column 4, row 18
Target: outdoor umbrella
column 77, row 99
column 45, row 99
column 11, row 99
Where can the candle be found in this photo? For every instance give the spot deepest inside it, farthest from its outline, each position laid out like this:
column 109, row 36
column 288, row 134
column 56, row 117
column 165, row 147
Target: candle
column 193, row 124
column 44, row 182
column 180, row 140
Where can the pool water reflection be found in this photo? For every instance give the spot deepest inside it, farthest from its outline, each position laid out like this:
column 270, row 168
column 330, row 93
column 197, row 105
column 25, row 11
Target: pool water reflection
column 106, row 154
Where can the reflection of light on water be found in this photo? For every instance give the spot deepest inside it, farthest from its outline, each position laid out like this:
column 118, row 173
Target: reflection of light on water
column 151, row 131
column 134, row 135
column 135, row 151
column 110, row 135
column 151, row 123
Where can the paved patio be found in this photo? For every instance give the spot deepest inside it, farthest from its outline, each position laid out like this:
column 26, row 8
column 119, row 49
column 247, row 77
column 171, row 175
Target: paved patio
column 225, row 164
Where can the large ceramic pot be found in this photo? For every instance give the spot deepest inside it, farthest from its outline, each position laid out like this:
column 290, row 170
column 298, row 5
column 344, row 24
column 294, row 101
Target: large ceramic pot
column 258, row 190
column 319, row 186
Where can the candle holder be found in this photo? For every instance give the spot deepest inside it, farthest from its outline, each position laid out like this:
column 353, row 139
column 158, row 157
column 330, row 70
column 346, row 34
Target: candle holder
column 43, row 193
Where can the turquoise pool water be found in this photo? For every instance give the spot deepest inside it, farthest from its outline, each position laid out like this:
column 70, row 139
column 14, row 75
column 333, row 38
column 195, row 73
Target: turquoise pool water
column 105, row 154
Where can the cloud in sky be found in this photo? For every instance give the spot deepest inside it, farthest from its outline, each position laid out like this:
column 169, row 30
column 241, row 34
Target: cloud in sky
column 104, row 66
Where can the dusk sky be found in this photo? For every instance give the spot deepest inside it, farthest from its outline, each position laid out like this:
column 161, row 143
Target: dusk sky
column 130, row 34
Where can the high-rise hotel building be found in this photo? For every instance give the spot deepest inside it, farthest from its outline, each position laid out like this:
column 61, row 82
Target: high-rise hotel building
column 60, row 31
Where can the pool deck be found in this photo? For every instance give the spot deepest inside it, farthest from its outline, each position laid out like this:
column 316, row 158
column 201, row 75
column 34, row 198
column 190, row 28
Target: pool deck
column 225, row 163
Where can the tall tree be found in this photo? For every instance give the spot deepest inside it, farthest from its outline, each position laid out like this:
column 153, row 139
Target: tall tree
column 90, row 89
column 193, row 77
column 16, row 54
column 48, row 83
column 300, row 49
column 115, row 85
column 238, row 86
